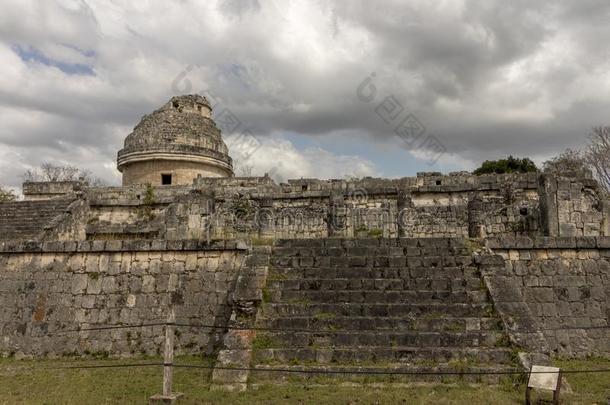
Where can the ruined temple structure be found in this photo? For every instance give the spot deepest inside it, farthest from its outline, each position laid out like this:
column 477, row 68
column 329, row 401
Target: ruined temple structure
column 417, row 273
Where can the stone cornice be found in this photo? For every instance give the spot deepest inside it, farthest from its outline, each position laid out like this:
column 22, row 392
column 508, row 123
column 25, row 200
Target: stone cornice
column 175, row 152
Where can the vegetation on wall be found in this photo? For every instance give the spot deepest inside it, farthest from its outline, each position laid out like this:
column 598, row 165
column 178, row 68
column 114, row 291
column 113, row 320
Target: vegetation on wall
column 241, row 207
column 7, row 195
column 149, row 197
column 509, row 165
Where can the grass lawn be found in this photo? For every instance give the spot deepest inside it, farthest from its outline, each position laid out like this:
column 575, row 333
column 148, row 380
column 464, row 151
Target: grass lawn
column 42, row 382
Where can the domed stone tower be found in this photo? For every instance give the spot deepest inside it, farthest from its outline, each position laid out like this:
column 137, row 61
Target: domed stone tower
column 174, row 144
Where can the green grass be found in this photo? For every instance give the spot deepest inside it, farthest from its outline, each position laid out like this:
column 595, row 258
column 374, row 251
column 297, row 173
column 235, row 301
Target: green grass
column 262, row 341
column 300, row 300
column 432, row 315
column 40, row 382
column 266, row 295
column 375, row 233
column 503, row 341
column 455, row 328
column 473, row 244
column 590, row 387
column 324, row 315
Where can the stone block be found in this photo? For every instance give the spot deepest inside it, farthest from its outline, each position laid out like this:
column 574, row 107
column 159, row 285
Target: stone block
column 549, row 309
column 88, row 301
column 94, row 284
column 84, row 246
column 565, row 242
column 160, row 399
column 520, row 268
column 523, row 242
column 531, row 281
column 79, row 283
column 542, row 294
column 564, row 309
column 603, row 242
column 545, row 281
column 586, row 242
column 491, row 260
column 504, row 289
column 148, row 284
column 545, row 242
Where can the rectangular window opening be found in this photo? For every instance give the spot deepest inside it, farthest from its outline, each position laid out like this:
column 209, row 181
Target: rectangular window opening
column 166, row 179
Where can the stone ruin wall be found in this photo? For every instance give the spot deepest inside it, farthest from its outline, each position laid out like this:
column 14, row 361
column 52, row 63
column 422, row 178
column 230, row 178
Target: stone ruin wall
column 553, row 293
column 426, row 206
column 152, row 243
column 581, row 210
column 562, row 284
column 58, row 286
column 43, row 190
column 430, row 205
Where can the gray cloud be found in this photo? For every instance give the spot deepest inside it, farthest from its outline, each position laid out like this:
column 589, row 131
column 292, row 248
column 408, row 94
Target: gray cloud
column 487, row 78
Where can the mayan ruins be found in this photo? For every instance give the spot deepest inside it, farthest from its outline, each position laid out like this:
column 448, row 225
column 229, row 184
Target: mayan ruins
column 415, row 273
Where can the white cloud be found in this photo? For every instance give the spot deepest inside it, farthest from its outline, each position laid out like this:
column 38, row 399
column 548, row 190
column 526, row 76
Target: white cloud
column 282, row 160
column 488, row 79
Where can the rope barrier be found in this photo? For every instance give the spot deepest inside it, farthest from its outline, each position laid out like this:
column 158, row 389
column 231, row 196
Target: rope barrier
column 305, row 370
column 105, row 366
column 318, row 371
column 270, row 329
column 140, row 325
column 389, row 372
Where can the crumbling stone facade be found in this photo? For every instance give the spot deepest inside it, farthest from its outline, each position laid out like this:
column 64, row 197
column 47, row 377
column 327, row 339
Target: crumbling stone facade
column 565, row 283
column 49, row 288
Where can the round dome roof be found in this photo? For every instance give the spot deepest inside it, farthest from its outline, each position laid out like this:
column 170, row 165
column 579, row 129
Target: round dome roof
column 184, row 120
column 183, row 126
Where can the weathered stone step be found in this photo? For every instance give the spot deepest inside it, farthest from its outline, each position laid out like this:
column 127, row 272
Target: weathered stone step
column 382, row 284
column 370, row 251
column 355, row 338
column 387, row 296
column 440, row 242
column 412, row 310
column 373, row 273
column 472, row 373
column 324, row 259
column 333, row 322
column 26, row 219
column 383, row 354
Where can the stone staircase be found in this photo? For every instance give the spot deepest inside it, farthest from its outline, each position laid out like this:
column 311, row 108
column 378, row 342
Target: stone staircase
column 27, row 219
column 408, row 305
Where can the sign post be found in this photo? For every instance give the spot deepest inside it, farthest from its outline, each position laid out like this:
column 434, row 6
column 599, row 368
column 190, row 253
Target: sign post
column 546, row 378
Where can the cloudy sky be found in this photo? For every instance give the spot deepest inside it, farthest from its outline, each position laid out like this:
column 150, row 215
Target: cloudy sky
column 322, row 88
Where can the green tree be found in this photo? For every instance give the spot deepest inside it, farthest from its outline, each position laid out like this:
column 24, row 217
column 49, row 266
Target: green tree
column 7, row 195
column 509, row 165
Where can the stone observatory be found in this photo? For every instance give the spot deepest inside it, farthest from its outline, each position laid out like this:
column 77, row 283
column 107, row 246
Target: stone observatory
column 416, row 275
column 175, row 144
